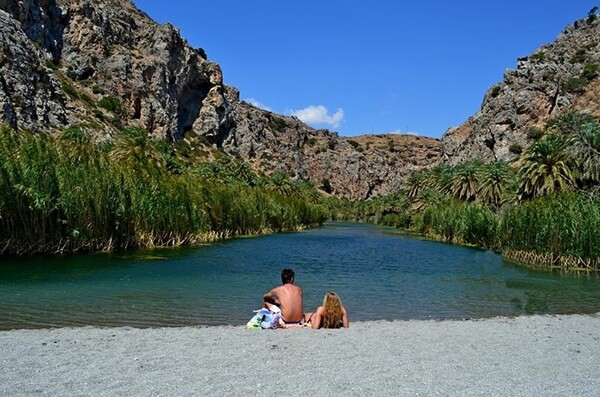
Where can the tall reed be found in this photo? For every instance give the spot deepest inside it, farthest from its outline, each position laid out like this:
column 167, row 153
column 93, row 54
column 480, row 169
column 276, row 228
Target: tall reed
column 561, row 224
column 66, row 194
column 460, row 222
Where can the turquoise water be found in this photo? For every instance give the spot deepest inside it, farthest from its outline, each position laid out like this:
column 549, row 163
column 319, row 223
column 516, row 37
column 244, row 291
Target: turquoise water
column 379, row 273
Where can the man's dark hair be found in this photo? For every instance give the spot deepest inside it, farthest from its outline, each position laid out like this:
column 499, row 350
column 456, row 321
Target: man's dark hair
column 287, row 276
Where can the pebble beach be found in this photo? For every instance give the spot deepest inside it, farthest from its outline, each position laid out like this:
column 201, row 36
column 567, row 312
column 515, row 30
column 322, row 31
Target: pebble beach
column 521, row 356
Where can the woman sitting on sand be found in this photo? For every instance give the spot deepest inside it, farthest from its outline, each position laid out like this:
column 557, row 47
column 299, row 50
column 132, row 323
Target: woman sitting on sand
column 331, row 315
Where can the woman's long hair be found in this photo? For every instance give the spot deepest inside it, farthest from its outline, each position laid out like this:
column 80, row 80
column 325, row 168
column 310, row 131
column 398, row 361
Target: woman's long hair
column 332, row 316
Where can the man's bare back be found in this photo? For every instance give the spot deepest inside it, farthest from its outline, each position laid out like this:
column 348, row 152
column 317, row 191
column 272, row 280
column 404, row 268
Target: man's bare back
column 288, row 297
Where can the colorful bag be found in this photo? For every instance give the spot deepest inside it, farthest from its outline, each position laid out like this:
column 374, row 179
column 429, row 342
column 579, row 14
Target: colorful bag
column 265, row 318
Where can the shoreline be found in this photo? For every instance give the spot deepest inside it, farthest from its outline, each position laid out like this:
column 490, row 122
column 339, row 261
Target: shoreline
column 502, row 356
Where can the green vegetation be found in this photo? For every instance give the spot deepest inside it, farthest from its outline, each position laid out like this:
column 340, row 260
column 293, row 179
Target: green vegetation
column 578, row 83
column 67, row 194
column 592, row 14
column 353, row 143
column 515, row 148
column 563, row 225
column 69, row 89
column 390, row 146
column 580, row 56
column 574, row 84
column 534, row 133
column 277, row 124
column 542, row 210
column 111, row 104
column 538, row 57
column 311, row 141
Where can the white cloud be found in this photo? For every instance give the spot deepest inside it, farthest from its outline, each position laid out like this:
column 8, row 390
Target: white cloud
column 258, row 104
column 319, row 115
column 399, row 132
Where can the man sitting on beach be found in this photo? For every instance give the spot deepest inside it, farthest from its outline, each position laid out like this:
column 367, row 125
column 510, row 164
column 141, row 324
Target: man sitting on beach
column 288, row 297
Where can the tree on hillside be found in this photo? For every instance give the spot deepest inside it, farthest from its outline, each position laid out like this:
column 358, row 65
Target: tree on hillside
column 465, row 183
column 585, row 154
column 440, row 178
column 545, row 168
column 592, row 14
column 415, row 184
column 133, row 146
column 569, row 123
column 495, row 181
column 279, row 183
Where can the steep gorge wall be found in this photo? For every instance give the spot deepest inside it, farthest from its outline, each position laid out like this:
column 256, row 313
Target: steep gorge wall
column 557, row 78
column 104, row 49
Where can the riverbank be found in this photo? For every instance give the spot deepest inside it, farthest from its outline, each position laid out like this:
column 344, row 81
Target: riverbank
column 523, row 356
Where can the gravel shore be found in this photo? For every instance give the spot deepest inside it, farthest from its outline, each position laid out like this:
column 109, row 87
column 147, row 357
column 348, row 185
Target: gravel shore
column 523, row 356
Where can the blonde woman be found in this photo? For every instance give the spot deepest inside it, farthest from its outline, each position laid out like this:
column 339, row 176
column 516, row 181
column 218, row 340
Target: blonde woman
column 331, row 315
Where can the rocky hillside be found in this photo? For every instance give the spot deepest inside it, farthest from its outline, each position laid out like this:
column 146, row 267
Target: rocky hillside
column 558, row 77
column 104, row 64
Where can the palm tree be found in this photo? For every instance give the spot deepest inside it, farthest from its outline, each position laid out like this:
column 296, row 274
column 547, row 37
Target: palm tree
column 245, row 174
column 76, row 144
column 465, row 183
column 545, row 169
column 415, row 184
column 494, row 182
column 395, row 203
column 279, row 183
column 585, row 153
column 426, row 198
column 308, row 192
column 568, row 123
column 440, row 178
column 134, row 147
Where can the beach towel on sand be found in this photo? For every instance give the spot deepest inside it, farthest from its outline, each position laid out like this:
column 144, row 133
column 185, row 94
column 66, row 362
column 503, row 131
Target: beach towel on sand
column 265, row 318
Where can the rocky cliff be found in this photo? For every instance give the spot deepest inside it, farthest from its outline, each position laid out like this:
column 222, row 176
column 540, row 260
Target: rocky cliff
column 104, row 64
column 558, row 77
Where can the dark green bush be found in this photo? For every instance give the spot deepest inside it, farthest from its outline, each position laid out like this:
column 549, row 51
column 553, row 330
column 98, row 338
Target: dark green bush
column 353, row 143
column 574, row 84
column 515, row 148
column 111, row 104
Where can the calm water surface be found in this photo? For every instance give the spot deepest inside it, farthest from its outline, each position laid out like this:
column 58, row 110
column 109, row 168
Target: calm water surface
column 379, row 273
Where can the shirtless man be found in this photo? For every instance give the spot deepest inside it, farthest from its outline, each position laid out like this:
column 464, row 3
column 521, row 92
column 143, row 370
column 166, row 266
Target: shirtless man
column 288, row 297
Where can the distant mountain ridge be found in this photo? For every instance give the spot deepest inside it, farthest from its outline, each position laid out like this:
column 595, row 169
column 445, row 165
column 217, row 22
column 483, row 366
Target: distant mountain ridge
column 104, row 64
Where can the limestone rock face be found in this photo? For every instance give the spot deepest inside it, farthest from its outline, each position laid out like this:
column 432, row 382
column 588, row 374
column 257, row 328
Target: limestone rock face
column 30, row 95
column 109, row 49
column 354, row 168
column 558, row 77
column 104, row 64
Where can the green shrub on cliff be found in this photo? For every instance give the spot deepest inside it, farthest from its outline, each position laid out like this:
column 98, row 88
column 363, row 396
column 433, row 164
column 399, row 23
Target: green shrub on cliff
column 111, row 104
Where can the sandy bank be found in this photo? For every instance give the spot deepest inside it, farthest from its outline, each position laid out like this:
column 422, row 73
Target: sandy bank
column 525, row 356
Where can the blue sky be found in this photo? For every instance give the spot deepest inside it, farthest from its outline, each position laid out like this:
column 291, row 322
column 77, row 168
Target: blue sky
column 385, row 66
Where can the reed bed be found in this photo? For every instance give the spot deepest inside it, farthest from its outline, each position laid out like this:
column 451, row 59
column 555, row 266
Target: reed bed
column 558, row 230
column 552, row 261
column 68, row 194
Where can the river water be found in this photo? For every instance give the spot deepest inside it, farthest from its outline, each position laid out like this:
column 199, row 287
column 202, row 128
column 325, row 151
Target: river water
column 380, row 274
